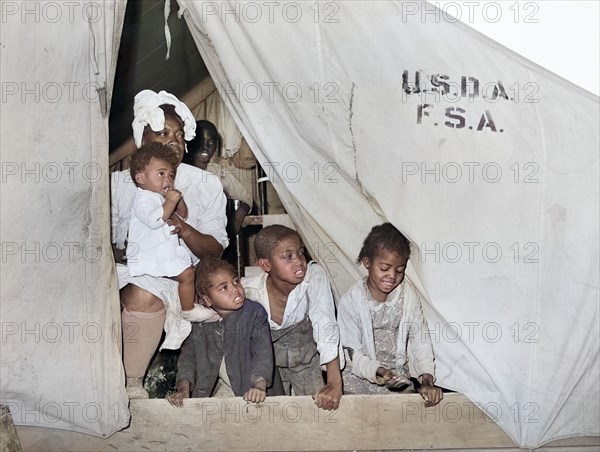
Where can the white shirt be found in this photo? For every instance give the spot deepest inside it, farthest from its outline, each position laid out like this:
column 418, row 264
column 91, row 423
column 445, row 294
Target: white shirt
column 203, row 194
column 313, row 297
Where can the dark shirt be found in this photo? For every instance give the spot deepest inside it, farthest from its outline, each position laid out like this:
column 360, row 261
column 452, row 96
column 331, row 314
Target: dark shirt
column 243, row 337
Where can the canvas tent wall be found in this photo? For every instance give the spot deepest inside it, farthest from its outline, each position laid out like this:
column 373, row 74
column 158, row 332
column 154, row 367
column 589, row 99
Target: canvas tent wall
column 60, row 349
column 495, row 183
column 502, row 206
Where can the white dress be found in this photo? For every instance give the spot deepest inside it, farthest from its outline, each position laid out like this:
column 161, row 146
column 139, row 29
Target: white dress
column 151, row 248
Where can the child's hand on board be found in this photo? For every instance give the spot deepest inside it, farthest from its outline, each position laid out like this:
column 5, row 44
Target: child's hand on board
column 397, row 381
column 328, row 397
column 430, row 393
column 258, row 392
column 176, row 399
column 390, row 378
column 255, row 395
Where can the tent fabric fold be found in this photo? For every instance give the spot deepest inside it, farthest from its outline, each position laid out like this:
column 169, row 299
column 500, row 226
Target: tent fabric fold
column 359, row 113
column 485, row 160
column 61, row 332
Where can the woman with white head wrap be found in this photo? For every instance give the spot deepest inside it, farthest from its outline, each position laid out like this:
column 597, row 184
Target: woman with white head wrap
column 161, row 117
column 147, row 112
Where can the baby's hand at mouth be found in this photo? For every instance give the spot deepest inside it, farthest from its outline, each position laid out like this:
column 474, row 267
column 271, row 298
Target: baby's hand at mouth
column 172, row 194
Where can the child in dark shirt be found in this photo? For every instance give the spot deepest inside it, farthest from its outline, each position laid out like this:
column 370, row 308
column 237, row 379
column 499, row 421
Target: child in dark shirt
column 235, row 351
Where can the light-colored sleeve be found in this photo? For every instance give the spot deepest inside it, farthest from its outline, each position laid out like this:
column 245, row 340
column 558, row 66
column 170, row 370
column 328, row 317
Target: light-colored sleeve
column 234, row 188
column 321, row 310
column 148, row 210
column 255, row 288
column 352, row 340
column 419, row 350
column 206, row 205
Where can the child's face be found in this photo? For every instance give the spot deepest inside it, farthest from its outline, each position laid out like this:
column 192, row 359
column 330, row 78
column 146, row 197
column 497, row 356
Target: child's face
column 288, row 262
column 171, row 135
column 157, row 176
column 225, row 294
column 208, row 146
column 386, row 272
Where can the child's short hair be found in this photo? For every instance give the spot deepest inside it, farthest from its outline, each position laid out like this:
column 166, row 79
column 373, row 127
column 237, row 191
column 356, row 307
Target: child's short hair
column 269, row 237
column 383, row 237
column 208, row 267
column 141, row 158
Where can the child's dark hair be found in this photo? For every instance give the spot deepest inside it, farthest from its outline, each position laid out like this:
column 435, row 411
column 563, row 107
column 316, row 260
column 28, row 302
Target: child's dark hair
column 206, row 269
column 269, row 237
column 141, row 158
column 383, row 237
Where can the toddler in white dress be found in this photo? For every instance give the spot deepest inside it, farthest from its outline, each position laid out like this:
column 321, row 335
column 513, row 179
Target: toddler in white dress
column 152, row 249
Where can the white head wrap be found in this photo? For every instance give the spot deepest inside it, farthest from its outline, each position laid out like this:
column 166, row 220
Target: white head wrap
column 146, row 111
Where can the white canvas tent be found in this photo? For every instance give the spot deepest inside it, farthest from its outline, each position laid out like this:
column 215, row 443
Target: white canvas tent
column 60, row 349
column 359, row 115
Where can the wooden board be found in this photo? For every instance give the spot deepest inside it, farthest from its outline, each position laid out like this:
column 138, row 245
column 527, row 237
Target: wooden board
column 294, row 423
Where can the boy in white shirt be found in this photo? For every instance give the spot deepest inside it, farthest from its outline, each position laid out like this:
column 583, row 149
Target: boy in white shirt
column 297, row 296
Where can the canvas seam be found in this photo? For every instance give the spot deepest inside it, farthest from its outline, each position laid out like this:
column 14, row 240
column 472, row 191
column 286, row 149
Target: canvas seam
column 542, row 209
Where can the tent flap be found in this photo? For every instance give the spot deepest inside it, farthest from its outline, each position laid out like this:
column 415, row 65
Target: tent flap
column 61, row 364
column 486, row 161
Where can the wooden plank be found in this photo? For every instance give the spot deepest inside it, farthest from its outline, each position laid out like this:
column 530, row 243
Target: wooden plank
column 294, row 423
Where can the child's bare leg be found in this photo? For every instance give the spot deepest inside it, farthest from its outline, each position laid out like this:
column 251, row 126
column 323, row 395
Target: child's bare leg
column 187, row 297
column 187, row 290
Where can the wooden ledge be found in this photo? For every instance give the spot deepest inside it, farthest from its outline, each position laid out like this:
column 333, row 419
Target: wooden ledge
column 294, row 423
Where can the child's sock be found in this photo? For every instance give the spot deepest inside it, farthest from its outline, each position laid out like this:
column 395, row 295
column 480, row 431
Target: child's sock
column 141, row 334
